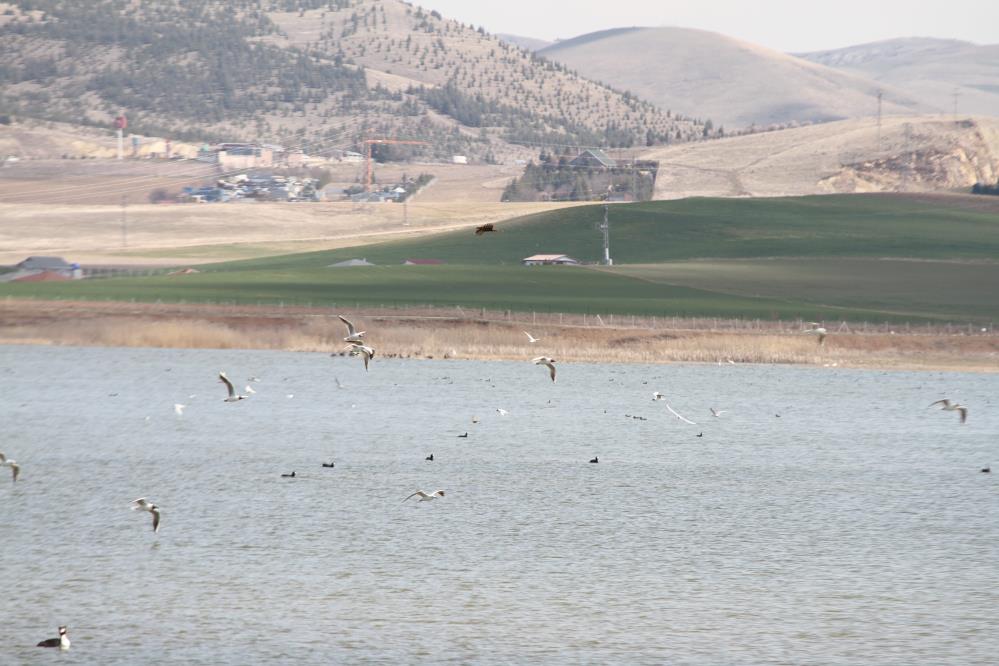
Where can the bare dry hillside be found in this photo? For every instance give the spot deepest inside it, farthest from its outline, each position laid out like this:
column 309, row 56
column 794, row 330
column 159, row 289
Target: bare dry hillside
column 916, row 154
column 319, row 74
column 30, row 139
column 930, row 69
column 732, row 82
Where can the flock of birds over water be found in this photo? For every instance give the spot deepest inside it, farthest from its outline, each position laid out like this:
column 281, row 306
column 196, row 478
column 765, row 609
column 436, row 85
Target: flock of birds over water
column 358, row 347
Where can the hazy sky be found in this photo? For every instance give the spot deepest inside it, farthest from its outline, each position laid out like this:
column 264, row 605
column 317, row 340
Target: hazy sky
column 785, row 25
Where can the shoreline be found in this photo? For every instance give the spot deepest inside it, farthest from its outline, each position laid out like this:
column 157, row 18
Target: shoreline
column 434, row 334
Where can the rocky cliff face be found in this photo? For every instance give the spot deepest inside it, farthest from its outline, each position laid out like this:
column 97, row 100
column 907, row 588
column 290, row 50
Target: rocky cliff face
column 926, row 160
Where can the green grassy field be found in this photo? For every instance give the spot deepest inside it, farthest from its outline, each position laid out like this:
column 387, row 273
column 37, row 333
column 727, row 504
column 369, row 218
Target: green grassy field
column 542, row 289
column 700, row 257
column 830, row 226
column 909, row 287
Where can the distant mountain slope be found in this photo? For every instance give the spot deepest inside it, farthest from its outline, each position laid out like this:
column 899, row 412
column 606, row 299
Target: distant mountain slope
column 529, row 43
column 930, row 69
column 918, row 154
column 304, row 72
column 729, row 81
column 477, row 78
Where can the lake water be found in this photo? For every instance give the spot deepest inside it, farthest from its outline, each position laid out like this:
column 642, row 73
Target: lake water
column 853, row 528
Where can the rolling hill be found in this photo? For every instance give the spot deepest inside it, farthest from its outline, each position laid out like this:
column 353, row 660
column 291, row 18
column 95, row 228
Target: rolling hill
column 312, row 73
column 874, row 225
column 734, row 83
column 931, row 70
column 529, row 43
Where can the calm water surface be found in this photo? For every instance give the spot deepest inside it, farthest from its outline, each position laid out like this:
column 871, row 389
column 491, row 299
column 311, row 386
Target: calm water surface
column 855, row 528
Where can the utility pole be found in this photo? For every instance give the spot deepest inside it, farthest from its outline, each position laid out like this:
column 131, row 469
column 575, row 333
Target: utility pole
column 634, row 179
column 124, row 221
column 120, row 123
column 880, row 95
column 605, row 227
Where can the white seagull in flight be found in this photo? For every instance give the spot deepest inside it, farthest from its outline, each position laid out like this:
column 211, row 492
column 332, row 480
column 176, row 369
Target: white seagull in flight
column 232, row 391
column 549, row 362
column 716, row 412
column 358, row 349
column 531, row 338
column 426, row 497
column 353, row 335
column 674, row 413
column 816, row 329
column 15, row 469
column 178, row 409
column 949, row 406
column 141, row 504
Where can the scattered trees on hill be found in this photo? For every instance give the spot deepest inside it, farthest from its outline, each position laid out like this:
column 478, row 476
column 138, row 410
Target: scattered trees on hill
column 189, row 60
column 554, row 178
column 198, row 69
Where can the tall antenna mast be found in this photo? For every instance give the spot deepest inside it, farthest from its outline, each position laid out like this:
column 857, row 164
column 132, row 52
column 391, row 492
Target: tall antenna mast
column 120, row 123
column 605, row 227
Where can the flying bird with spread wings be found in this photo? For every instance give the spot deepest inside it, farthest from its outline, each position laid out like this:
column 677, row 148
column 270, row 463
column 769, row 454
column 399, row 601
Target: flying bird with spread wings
column 949, row 406
column 357, row 349
column 353, row 335
column 15, row 469
column 232, row 397
column 142, row 504
column 815, row 328
column 549, row 362
column 426, row 497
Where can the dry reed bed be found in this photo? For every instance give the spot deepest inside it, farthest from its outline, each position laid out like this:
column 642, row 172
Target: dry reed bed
column 470, row 339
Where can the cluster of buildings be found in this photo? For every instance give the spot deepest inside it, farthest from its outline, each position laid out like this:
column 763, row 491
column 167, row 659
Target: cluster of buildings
column 385, row 194
column 42, row 269
column 237, row 156
column 260, row 186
